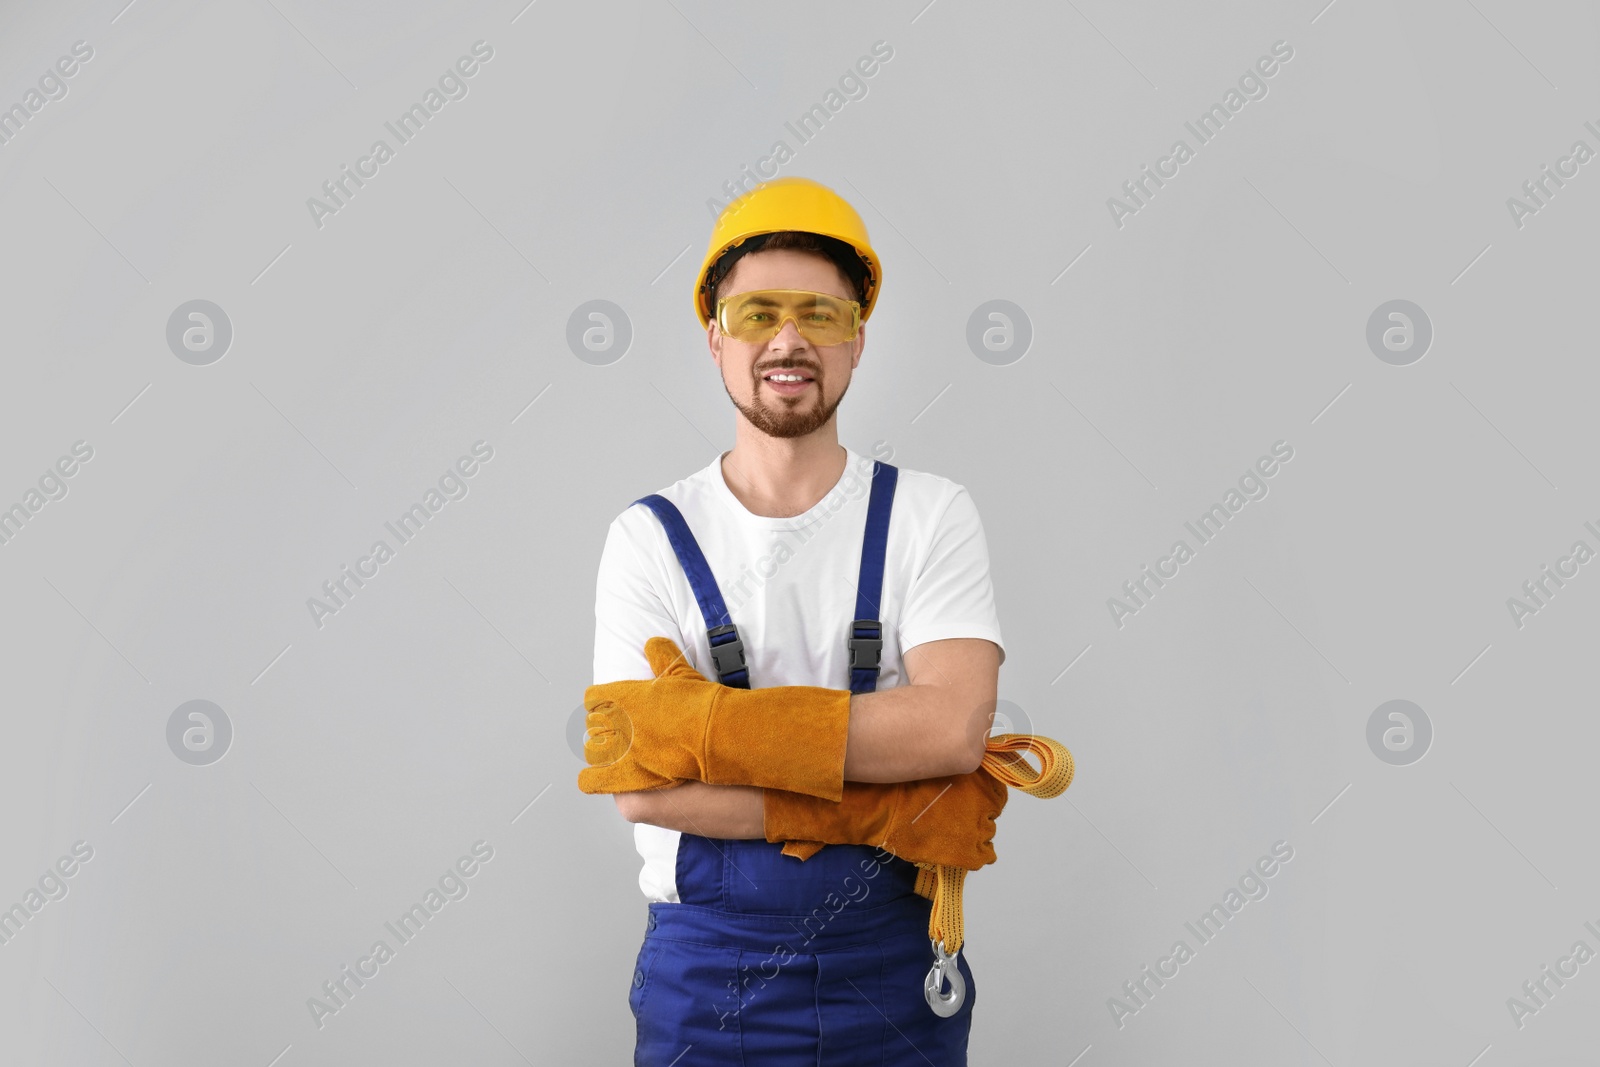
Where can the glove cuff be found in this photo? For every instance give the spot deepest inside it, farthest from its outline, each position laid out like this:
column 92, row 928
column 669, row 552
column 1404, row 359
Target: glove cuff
column 863, row 816
column 790, row 737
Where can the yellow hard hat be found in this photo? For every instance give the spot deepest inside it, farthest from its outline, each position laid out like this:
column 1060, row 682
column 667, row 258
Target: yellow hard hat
column 788, row 204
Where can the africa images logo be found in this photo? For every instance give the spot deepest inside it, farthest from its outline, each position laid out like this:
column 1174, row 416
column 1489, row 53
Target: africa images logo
column 452, row 86
column 452, row 885
column 1252, row 486
column 1211, row 122
column 1252, row 886
column 52, row 86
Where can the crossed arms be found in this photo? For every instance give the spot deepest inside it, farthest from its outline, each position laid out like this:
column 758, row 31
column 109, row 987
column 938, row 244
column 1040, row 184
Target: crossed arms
column 934, row 725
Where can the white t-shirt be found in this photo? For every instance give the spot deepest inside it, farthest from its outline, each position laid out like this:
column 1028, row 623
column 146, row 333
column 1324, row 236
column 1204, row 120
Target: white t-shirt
column 790, row 587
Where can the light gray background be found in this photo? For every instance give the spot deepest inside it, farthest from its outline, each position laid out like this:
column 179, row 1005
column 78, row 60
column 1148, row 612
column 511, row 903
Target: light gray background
column 430, row 313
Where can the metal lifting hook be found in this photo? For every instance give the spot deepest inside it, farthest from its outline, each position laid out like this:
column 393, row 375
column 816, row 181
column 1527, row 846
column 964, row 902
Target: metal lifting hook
column 944, row 967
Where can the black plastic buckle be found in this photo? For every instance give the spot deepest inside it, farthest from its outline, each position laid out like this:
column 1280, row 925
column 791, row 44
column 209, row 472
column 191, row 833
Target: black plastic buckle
column 726, row 656
column 861, row 646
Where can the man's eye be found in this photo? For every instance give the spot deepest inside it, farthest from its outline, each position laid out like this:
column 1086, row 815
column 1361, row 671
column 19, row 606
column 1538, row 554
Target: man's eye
column 757, row 316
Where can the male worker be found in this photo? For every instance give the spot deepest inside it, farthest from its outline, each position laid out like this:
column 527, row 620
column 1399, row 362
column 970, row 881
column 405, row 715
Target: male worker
column 832, row 622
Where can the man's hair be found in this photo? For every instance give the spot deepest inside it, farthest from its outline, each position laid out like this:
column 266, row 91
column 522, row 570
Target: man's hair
column 838, row 252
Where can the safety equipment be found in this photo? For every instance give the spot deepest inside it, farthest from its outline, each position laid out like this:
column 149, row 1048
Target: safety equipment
column 679, row 726
column 947, row 820
column 872, row 819
column 787, row 204
column 941, row 883
column 756, row 316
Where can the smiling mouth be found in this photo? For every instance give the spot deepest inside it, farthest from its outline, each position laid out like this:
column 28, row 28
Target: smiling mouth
column 787, row 377
column 788, row 382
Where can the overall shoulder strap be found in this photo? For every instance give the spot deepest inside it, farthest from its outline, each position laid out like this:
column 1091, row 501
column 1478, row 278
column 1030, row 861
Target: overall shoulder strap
column 866, row 630
column 727, row 651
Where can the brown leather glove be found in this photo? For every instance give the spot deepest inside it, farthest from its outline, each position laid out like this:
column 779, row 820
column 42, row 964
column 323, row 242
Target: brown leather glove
column 680, row 726
column 948, row 820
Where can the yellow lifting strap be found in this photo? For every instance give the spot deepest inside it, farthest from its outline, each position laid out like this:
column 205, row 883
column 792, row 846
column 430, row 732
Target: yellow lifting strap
column 942, row 884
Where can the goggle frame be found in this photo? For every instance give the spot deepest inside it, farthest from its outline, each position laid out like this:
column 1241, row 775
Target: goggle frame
column 786, row 314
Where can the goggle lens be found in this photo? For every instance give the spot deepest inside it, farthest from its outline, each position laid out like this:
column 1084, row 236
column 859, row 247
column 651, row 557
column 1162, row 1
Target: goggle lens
column 756, row 317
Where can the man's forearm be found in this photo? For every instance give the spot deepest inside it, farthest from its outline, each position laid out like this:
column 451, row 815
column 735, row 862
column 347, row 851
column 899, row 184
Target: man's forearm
column 728, row 811
column 933, row 726
column 912, row 732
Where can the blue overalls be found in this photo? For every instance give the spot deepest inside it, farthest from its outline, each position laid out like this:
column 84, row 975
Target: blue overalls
column 771, row 961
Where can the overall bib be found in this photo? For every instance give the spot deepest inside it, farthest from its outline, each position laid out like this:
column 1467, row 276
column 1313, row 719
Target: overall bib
column 770, row 961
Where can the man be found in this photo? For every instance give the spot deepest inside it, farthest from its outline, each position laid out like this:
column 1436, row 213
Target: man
column 856, row 646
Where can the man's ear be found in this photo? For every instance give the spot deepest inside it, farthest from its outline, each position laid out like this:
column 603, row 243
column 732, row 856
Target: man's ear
column 714, row 342
column 861, row 343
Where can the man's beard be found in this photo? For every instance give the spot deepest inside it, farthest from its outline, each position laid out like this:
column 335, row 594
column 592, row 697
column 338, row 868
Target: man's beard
column 784, row 420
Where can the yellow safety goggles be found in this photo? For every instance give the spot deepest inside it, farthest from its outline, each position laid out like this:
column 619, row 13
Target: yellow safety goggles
column 757, row 316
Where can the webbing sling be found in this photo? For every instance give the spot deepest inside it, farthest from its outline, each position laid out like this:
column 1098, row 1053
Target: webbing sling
column 943, row 884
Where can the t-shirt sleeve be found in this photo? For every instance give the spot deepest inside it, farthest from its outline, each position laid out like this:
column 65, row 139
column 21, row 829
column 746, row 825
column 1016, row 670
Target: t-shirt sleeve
column 629, row 607
column 952, row 595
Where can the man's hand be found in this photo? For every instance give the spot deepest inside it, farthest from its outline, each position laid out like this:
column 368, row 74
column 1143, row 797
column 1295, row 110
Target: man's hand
column 948, row 820
column 609, row 736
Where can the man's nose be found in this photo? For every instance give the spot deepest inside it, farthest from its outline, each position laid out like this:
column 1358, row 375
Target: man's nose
column 787, row 338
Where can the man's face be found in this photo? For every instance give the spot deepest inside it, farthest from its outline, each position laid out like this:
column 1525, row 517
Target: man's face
column 774, row 409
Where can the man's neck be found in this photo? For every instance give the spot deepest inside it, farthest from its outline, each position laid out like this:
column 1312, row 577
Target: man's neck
column 780, row 477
